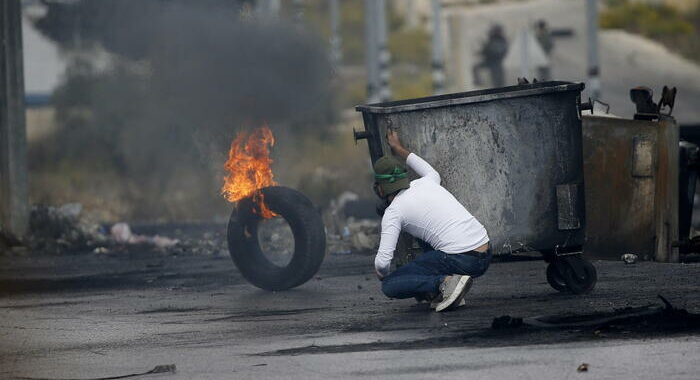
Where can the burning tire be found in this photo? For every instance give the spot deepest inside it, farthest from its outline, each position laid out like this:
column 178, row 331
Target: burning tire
column 309, row 240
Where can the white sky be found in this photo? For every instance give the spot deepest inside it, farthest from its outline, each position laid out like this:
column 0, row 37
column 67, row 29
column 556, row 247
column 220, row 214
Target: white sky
column 43, row 65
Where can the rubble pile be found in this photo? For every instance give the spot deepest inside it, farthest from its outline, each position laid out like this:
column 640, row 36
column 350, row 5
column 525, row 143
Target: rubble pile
column 65, row 229
column 347, row 234
column 357, row 236
column 62, row 229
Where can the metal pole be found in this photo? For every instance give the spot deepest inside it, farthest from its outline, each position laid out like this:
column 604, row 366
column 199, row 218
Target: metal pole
column 525, row 53
column 336, row 51
column 384, row 55
column 411, row 14
column 592, row 37
column 14, row 211
column 371, row 52
column 438, row 61
column 268, row 8
column 298, row 11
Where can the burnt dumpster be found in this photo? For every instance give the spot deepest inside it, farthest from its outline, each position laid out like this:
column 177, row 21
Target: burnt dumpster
column 512, row 156
column 632, row 181
column 689, row 156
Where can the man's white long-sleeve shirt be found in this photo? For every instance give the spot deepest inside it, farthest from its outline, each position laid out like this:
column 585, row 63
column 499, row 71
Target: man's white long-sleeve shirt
column 428, row 212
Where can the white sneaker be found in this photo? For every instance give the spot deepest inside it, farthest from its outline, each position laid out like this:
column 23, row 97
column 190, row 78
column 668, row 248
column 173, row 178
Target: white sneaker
column 434, row 303
column 453, row 289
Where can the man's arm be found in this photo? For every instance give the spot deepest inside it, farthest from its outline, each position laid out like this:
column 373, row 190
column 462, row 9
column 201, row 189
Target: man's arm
column 419, row 165
column 392, row 138
column 391, row 228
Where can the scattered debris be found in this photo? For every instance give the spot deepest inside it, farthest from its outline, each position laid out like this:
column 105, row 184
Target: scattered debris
column 506, row 322
column 121, row 233
column 348, row 230
column 632, row 319
column 8, row 240
column 211, row 243
column 61, row 229
column 582, row 368
column 629, row 258
column 356, row 236
column 64, row 229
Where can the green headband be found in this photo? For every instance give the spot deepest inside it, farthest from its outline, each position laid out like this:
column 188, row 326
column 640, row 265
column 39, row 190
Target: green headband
column 393, row 176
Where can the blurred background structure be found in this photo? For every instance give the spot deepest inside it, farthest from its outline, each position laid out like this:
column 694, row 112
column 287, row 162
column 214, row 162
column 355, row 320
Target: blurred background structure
column 131, row 104
column 14, row 216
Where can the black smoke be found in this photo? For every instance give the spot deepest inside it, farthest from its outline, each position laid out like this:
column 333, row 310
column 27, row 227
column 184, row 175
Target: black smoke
column 182, row 78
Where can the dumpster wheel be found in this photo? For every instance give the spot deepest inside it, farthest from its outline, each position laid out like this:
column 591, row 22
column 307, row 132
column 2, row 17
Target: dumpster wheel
column 556, row 279
column 572, row 274
column 309, row 240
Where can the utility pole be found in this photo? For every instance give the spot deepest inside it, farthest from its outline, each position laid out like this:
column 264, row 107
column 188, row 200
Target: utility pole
column 14, row 211
column 377, row 52
column 592, row 48
column 298, row 12
column 384, row 55
column 336, row 41
column 438, row 61
column 371, row 52
column 268, row 8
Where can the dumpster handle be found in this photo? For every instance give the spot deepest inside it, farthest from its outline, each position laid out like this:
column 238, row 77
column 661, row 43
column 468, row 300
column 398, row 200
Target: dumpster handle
column 359, row 135
column 589, row 105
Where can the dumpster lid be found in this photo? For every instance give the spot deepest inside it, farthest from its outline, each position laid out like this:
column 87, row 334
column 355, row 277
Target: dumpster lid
column 477, row 96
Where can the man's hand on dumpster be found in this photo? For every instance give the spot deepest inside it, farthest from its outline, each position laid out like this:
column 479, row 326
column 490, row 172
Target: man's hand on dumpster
column 392, row 139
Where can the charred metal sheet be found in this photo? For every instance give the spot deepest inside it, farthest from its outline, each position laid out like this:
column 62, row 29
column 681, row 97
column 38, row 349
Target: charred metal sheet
column 502, row 152
column 688, row 174
column 666, row 200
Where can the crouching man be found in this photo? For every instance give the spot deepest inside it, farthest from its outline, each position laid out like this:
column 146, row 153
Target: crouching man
column 459, row 243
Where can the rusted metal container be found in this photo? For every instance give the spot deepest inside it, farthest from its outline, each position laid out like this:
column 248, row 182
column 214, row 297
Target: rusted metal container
column 631, row 170
column 511, row 155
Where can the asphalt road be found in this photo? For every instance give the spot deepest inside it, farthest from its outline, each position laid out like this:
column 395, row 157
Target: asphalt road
column 96, row 315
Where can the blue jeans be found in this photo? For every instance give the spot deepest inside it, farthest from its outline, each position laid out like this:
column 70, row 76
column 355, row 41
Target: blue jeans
column 422, row 277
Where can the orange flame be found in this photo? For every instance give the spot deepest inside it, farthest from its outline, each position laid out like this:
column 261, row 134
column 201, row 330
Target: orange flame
column 248, row 168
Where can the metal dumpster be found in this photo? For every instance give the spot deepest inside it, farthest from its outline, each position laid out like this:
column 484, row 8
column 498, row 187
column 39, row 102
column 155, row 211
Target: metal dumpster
column 511, row 155
column 631, row 169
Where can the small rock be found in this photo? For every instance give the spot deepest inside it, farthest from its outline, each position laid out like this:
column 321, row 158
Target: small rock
column 582, row 368
column 629, row 258
column 70, row 210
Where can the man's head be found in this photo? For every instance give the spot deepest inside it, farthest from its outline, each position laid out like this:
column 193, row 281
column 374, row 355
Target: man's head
column 390, row 176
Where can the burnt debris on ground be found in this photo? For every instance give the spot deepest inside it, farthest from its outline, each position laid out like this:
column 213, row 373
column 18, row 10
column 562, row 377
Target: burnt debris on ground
column 632, row 322
column 644, row 319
